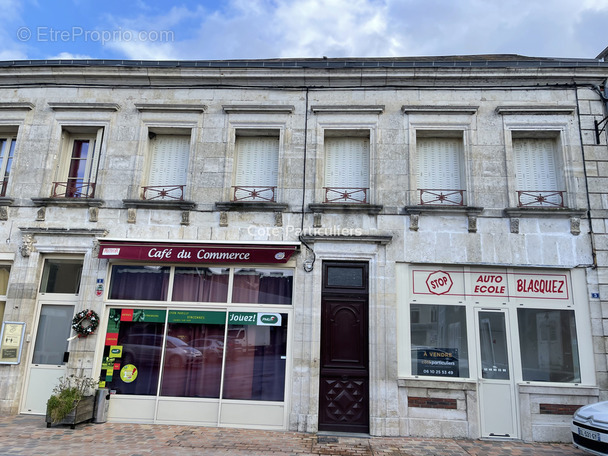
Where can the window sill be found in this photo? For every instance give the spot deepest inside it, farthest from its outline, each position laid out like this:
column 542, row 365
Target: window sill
column 445, row 209
column 371, row 209
column 438, row 382
column 159, row 204
column 68, row 202
column 4, row 201
column 251, row 206
column 544, row 211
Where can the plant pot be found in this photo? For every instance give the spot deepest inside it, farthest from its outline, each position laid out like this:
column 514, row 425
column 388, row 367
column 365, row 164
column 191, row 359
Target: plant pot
column 79, row 414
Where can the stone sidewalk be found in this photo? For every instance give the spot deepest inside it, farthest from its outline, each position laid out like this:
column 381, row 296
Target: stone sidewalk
column 27, row 435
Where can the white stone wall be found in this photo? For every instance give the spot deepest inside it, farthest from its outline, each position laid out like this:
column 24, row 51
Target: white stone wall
column 439, row 237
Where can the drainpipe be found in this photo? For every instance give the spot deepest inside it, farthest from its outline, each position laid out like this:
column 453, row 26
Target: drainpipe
column 308, row 263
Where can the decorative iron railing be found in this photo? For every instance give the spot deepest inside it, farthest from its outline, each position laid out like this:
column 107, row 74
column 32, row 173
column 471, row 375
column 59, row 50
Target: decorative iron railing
column 441, row 197
column 163, row 192
column 253, row 193
column 540, row 198
column 73, row 189
column 346, row 195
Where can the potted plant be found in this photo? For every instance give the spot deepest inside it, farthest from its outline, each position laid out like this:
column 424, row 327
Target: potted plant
column 72, row 402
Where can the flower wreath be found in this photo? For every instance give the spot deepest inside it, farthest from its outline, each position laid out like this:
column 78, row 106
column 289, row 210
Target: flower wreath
column 85, row 322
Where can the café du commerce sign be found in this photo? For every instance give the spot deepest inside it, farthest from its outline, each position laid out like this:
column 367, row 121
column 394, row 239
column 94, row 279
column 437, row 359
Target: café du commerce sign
column 175, row 252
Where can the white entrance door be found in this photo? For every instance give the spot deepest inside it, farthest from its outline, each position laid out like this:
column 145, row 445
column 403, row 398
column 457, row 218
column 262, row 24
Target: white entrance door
column 49, row 359
column 497, row 402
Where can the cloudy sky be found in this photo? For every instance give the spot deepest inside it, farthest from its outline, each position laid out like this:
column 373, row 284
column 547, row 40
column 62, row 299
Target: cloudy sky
column 253, row 29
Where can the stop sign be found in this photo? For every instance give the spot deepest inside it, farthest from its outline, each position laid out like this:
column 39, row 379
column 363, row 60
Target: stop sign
column 439, row 282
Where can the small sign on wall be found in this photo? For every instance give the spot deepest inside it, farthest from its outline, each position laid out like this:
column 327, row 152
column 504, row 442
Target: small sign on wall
column 11, row 342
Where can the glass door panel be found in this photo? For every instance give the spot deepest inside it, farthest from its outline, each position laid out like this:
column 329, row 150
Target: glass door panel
column 493, row 346
column 52, row 335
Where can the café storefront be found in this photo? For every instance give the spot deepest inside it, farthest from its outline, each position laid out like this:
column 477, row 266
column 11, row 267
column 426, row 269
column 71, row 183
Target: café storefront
column 198, row 333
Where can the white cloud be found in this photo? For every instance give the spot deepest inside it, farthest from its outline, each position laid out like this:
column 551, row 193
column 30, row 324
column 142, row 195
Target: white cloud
column 250, row 29
column 69, row 56
column 144, row 50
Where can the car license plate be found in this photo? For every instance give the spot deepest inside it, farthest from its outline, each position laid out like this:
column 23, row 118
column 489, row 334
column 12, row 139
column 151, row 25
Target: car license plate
column 591, row 435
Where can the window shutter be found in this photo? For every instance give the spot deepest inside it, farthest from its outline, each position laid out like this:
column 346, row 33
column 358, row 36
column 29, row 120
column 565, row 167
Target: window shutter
column 347, row 162
column 257, row 161
column 94, row 160
column 169, row 160
column 439, row 163
column 535, row 165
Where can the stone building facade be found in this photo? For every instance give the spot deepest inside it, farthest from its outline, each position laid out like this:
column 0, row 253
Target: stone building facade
column 385, row 246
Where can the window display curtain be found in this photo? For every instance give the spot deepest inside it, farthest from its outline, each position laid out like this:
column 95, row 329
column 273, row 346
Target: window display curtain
column 200, row 285
column 139, row 282
column 255, row 287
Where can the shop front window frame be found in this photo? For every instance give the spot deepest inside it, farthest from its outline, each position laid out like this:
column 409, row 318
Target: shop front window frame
column 263, row 357
column 578, row 326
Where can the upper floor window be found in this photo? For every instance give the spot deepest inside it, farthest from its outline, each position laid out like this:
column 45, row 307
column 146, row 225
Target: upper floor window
column 346, row 169
column 79, row 162
column 7, row 153
column 538, row 181
column 440, row 169
column 257, row 167
column 168, row 167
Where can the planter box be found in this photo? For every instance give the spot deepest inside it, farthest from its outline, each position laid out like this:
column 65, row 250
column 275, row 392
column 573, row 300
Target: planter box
column 81, row 413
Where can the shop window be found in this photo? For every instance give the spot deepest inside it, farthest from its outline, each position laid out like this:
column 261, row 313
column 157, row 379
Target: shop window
column 61, row 276
column 193, row 361
column 262, row 286
column 168, row 167
column 549, row 345
column 440, row 169
column 146, row 283
column 256, row 356
column 79, row 162
column 193, row 354
column 439, row 341
column 132, row 355
column 200, row 284
column 347, row 169
column 537, row 177
column 7, row 153
column 257, row 168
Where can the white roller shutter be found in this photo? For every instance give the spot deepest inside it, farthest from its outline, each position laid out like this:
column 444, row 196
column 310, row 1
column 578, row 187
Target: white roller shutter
column 439, row 163
column 535, row 167
column 169, row 160
column 257, row 161
column 347, row 162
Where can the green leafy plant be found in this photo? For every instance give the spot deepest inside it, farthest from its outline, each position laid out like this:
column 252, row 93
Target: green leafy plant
column 67, row 394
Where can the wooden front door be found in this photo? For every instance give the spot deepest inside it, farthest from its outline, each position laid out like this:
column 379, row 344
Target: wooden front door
column 344, row 387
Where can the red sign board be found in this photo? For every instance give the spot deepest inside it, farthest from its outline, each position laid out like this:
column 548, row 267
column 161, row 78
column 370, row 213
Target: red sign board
column 196, row 253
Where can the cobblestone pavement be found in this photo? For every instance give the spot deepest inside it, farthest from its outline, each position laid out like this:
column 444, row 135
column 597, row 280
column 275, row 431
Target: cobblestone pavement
column 27, row 435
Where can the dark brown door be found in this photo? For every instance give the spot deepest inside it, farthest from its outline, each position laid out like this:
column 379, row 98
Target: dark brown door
column 344, row 388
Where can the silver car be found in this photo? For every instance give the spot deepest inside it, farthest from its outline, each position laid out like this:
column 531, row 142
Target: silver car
column 590, row 428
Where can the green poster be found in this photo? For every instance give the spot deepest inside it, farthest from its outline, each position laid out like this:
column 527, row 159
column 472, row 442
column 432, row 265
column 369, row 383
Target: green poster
column 197, row 317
